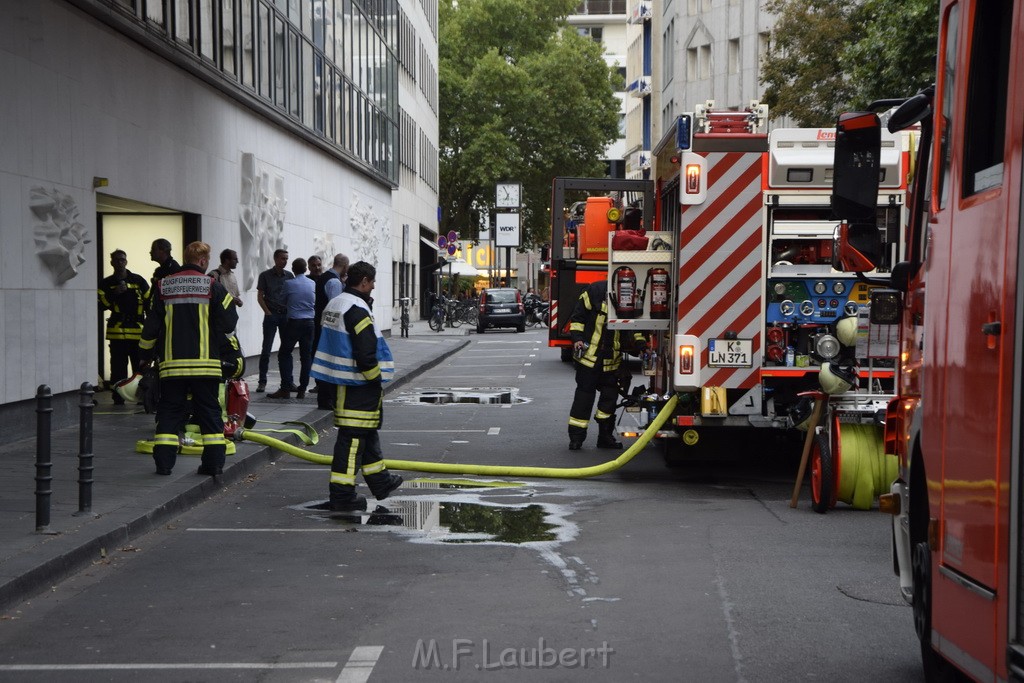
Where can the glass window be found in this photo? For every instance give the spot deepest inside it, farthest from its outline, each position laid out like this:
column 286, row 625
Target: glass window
column 294, row 83
column 183, row 21
column 229, row 33
column 311, row 75
column 264, row 51
column 207, row 39
column 155, row 12
column 944, row 122
column 246, row 43
column 280, row 50
column 985, row 113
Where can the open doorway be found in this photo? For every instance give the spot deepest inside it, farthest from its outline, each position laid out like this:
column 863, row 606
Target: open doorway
column 132, row 226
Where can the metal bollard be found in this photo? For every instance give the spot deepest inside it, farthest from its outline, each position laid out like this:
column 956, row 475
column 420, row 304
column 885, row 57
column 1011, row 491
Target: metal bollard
column 85, row 454
column 44, row 414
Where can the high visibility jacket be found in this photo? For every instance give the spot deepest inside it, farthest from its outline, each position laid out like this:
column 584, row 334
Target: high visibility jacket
column 352, row 353
column 127, row 308
column 191, row 314
column 589, row 324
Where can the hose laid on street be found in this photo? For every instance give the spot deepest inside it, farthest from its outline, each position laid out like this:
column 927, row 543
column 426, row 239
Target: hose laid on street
column 484, row 470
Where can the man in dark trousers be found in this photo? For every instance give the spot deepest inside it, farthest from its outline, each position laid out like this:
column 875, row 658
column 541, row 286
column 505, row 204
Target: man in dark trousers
column 598, row 354
column 270, row 296
column 354, row 357
column 191, row 315
column 125, row 295
column 330, row 284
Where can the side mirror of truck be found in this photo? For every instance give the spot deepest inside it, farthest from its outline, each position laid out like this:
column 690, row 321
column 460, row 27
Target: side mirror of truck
column 856, row 247
column 856, row 166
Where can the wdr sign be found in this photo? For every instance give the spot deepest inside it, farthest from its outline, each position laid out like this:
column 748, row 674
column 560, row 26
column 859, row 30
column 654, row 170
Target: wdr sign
column 506, row 226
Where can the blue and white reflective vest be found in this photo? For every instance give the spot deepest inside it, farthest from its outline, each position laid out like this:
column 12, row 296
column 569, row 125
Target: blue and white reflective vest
column 334, row 361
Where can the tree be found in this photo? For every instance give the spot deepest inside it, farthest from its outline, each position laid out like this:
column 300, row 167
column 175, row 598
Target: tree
column 833, row 55
column 524, row 98
column 803, row 71
column 895, row 57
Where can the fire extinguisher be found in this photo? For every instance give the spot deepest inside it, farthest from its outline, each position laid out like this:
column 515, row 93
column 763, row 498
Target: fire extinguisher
column 624, row 294
column 658, row 277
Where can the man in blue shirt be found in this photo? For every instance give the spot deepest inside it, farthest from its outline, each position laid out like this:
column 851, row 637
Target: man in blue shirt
column 299, row 300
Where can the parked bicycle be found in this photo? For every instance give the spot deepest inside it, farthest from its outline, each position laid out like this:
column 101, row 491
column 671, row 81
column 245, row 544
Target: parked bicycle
column 449, row 312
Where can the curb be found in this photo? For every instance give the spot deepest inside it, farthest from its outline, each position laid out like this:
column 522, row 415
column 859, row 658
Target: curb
column 33, row 582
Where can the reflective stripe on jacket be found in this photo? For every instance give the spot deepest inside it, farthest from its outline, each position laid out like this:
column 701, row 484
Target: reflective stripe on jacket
column 351, row 350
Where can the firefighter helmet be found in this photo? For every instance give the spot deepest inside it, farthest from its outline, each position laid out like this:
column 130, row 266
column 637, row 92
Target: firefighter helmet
column 800, row 413
column 835, row 379
column 846, row 331
column 128, row 389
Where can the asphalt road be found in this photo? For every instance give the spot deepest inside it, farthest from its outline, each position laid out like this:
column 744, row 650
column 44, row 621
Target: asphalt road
column 700, row 573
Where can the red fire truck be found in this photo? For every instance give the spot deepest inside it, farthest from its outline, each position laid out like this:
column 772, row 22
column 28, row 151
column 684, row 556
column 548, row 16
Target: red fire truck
column 958, row 294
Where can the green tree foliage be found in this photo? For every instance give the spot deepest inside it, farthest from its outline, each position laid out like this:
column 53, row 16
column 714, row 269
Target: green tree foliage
column 803, row 71
column 522, row 98
column 833, row 55
column 895, row 56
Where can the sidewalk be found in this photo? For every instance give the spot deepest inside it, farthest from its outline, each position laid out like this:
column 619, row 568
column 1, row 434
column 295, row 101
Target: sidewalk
column 128, row 499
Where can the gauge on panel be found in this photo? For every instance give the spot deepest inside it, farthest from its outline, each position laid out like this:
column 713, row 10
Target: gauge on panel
column 838, row 287
column 819, row 287
column 780, row 288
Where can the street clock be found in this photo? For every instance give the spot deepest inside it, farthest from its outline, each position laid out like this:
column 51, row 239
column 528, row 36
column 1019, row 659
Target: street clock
column 509, row 195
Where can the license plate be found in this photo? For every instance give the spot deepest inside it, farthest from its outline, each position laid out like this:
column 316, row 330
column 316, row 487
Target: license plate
column 730, row 353
column 502, row 310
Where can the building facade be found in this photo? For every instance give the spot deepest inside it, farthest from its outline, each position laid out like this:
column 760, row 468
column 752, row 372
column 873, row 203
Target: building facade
column 249, row 124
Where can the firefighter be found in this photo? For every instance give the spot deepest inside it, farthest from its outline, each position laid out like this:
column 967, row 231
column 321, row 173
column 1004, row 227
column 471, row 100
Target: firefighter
column 202, row 312
column 355, row 361
column 598, row 354
column 124, row 294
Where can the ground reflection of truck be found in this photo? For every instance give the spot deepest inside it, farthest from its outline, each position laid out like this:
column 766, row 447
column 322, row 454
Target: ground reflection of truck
column 957, row 294
column 742, row 225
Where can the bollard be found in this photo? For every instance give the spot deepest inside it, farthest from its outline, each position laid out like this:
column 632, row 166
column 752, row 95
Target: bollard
column 85, row 468
column 44, row 414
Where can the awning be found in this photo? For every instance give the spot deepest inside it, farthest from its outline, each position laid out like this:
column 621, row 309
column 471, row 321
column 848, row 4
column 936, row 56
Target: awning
column 432, row 245
column 459, row 267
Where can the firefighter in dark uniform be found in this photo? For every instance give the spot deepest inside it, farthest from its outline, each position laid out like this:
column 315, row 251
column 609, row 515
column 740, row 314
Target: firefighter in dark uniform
column 598, row 354
column 125, row 295
column 191, row 314
column 353, row 356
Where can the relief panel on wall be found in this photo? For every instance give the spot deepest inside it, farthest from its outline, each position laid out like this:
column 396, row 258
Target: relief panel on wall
column 371, row 231
column 59, row 235
column 260, row 218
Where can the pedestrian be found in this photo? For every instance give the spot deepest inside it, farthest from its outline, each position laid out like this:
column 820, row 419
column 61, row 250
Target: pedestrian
column 330, row 284
column 299, row 299
column 354, row 357
column 191, row 315
column 160, row 253
column 270, row 296
column 598, row 354
column 225, row 274
column 125, row 294
column 316, row 267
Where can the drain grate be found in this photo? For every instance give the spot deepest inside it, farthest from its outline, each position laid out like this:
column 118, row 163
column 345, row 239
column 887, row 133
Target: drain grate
column 501, row 396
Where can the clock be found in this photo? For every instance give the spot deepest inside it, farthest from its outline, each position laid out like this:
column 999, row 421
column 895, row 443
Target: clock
column 508, row 195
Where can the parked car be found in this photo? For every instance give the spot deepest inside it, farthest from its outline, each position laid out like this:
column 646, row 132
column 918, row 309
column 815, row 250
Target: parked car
column 501, row 307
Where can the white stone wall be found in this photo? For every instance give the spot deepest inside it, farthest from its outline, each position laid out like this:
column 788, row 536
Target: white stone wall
column 80, row 100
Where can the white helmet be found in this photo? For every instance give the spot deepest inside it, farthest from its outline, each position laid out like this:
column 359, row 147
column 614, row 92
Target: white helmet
column 846, row 331
column 128, row 389
column 835, row 379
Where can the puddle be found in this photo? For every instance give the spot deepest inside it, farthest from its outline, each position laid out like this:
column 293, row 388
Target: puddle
column 461, row 395
column 460, row 484
column 458, row 521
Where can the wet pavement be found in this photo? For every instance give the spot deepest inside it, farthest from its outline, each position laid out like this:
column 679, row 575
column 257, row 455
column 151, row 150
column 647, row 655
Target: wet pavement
column 127, row 498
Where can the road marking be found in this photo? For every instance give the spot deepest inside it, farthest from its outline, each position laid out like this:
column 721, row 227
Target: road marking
column 263, row 531
column 506, row 341
column 360, row 664
column 493, row 431
column 432, row 431
column 527, row 364
column 168, row 666
column 522, row 376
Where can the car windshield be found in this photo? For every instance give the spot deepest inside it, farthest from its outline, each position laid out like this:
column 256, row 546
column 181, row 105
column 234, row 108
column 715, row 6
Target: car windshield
column 501, row 296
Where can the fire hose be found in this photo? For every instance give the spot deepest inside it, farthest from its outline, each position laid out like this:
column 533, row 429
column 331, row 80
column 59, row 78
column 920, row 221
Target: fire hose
column 481, row 470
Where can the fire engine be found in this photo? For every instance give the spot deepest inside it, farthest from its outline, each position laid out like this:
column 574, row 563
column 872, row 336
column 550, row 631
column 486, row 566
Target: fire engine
column 957, row 293
column 758, row 323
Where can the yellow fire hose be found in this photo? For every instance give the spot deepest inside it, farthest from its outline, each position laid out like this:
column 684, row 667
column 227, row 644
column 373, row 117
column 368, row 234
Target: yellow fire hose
column 483, row 470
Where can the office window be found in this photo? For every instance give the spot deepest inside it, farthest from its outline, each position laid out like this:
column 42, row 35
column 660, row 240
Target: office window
column 704, row 61
column 206, row 28
column 691, row 64
column 668, row 51
column 734, row 56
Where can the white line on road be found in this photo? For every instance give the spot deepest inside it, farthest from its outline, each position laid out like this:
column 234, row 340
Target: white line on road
column 493, row 431
column 263, row 531
column 168, row 666
column 360, row 664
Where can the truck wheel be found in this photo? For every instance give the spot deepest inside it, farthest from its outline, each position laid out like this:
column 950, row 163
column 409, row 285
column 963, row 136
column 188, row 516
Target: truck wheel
column 674, row 452
column 822, row 474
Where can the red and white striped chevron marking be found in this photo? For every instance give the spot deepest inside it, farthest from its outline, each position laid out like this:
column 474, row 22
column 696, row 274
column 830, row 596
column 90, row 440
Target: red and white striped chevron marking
column 720, row 263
